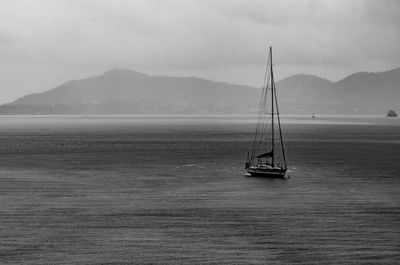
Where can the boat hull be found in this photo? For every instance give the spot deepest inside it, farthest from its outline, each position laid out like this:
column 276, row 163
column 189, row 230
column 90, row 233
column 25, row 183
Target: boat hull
column 267, row 172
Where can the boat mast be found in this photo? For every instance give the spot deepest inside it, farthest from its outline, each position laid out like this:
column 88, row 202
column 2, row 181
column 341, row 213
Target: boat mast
column 272, row 109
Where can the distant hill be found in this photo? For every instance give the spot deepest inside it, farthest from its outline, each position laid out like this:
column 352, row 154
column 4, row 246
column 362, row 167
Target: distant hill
column 361, row 92
column 370, row 91
column 304, row 89
column 130, row 85
column 129, row 92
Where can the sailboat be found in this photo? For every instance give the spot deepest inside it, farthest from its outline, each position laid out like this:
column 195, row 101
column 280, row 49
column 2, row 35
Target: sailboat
column 267, row 157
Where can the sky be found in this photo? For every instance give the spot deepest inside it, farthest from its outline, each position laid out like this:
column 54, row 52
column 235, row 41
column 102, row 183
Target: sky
column 44, row 43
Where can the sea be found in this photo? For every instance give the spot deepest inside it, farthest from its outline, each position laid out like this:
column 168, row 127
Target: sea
column 172, row 190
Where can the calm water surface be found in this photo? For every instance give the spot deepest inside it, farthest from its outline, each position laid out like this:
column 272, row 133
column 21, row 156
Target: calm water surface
column 171, row 190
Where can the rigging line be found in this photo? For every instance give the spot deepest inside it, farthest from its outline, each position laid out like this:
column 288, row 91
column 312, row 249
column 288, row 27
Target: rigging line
column 260, row 109
column 264, row 120
column 280, row 131
column 260, row 113
column 258, row 125
column 261, row 142
column 261, row 132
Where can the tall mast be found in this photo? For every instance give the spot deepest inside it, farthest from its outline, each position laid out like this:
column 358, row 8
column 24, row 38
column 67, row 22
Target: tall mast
column 272, row 109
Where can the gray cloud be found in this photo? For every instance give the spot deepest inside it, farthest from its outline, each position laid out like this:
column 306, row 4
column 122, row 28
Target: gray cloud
column 4, row 39
column 223, row 40
column 7, row 37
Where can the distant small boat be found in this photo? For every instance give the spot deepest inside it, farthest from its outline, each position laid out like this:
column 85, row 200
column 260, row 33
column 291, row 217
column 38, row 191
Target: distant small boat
column 313, row 116
column 266, row 158
column 391, row 113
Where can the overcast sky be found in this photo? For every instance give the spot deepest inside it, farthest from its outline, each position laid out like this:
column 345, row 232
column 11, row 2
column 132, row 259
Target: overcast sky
column 44, row 43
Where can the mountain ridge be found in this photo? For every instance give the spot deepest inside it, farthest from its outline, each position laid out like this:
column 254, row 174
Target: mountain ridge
column 361, row 92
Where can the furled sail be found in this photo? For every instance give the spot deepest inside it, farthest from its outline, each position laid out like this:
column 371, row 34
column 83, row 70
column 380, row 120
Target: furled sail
column 268, row 154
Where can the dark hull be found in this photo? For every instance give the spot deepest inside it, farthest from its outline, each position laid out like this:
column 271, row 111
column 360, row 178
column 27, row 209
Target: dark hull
column 267, row 173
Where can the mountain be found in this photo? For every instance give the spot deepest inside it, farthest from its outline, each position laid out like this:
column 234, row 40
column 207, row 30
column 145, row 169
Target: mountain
column 371, row 90
column 360, row 92
column 304, row 89
column 129, row 85
column 129, row 92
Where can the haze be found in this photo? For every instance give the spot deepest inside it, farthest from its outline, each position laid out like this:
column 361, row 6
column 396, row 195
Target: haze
column 46, row 43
